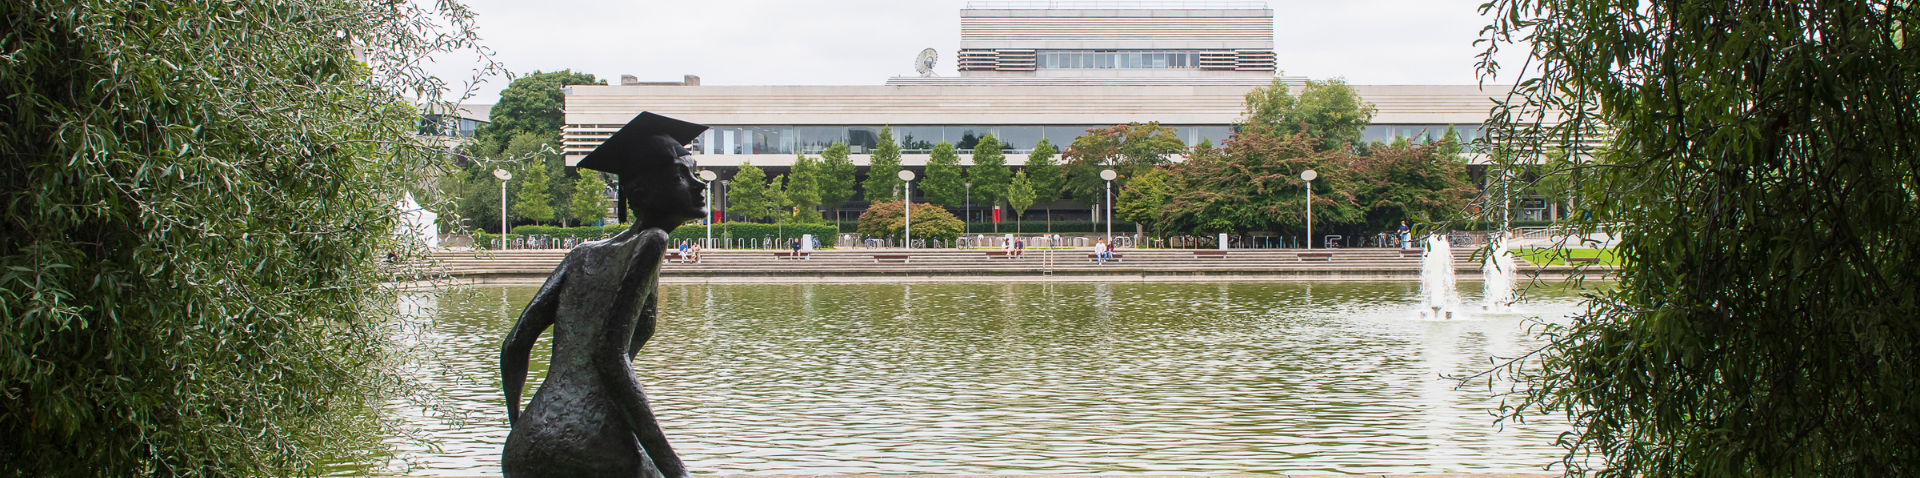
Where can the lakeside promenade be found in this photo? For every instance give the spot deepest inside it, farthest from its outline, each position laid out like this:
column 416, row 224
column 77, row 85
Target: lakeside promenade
column 911, row 265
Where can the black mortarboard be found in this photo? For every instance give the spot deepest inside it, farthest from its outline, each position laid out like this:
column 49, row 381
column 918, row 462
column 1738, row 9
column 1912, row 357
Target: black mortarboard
column 640, row 145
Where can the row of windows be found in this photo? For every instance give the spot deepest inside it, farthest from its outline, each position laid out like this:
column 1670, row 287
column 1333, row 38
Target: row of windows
column 1417, row 133
column 1119, row 59
column 912, row 139
column 1015, row 139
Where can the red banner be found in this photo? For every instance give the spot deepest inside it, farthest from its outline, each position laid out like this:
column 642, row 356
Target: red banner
column 996, row 214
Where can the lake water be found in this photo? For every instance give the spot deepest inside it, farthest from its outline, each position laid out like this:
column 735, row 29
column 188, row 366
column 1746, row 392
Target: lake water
column 966, row 378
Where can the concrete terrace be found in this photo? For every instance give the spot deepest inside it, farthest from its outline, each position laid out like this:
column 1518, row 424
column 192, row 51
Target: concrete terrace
column 888, row 265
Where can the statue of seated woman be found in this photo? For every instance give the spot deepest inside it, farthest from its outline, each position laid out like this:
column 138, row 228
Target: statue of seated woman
column 590, row 417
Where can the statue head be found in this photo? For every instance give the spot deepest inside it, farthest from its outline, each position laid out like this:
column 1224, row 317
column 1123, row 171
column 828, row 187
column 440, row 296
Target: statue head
column 656, row 172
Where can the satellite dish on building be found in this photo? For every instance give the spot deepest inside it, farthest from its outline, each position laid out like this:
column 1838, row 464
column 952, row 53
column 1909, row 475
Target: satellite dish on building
column 924, row 64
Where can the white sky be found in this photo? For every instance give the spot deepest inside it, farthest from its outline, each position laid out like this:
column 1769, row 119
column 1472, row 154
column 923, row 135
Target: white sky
column 863, row 42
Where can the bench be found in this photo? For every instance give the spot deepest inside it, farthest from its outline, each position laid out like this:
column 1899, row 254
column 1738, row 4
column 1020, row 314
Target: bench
column 1318, row 256
column 793, row 255
column 1096, row 257
column 1002, row 253
column 1213, row 253
column 888, row 257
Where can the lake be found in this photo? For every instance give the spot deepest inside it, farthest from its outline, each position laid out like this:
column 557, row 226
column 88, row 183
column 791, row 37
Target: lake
column 985, row 378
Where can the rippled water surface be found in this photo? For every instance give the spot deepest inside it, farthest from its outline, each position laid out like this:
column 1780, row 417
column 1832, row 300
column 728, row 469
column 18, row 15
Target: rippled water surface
column 961, row 378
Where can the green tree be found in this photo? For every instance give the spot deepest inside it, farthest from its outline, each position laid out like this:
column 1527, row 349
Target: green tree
column 532, row 104
column 1253, row 184
column 1143, row 199
column 1019, row 197
column 883, row 181
column 590, row 202
column 989, row 174
column 836, row 178
column 478, row 196
column 533, row 203
column 749, row 194
column 888, row 219
column 945, row 184
column 1760, row 181
column 1128, row 149
column 803, row 189
column 1417, row 184
column 197, row 199
column 1329, row 110
column 778, row 200
column 1045, row 173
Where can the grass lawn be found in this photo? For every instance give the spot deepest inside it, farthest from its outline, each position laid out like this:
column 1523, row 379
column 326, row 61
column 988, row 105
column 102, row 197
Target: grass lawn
column 1559, row 257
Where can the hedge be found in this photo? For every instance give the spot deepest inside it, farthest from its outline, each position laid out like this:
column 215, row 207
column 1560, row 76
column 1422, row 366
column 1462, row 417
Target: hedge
column 736, row 230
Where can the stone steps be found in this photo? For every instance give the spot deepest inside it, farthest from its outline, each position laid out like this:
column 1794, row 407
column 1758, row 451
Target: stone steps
column 1355, row 263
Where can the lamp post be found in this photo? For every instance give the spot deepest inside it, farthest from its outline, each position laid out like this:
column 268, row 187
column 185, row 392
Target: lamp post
column 708, row 176
column 1108, row 175
column 968, row 228
column 906, row 178
column 504, row 177
column 1308, row 176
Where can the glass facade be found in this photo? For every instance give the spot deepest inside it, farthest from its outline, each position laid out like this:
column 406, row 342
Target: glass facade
column 1092, row 59
column 1417, row 133
column 917, row 139
column 1016, row 139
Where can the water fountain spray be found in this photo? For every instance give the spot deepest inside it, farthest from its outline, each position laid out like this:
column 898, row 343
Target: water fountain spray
column 1438, row 297
column 1499, row 274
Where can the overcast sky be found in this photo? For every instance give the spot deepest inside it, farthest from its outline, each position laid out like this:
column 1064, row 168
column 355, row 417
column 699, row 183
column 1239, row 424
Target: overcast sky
column 863, row 42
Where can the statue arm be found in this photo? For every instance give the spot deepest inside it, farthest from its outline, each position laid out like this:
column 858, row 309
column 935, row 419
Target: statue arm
column 519, row 344
column 613, row 362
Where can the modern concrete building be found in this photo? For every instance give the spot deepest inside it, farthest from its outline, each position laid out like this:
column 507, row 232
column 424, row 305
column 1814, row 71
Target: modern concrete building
column 1028, row 70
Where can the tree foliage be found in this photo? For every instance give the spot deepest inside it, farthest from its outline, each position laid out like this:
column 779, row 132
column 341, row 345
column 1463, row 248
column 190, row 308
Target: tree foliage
column 1128, row 149
column 197, row 198
column 888, row 219
column 1045, row 174
column 836, row 176
column 803, row 189
column 1019, row 196
column 945, row 183
column 989, row 174
column 532, row 104
column 533, row 202
column 1253, row 184
column 1144, row 200
column 883, row 169
column 589, row 202
column 1328, row 110
column 749, row 194
column 1761, row 179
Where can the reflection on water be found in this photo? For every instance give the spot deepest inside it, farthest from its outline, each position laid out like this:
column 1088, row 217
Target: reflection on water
column 1024, row 378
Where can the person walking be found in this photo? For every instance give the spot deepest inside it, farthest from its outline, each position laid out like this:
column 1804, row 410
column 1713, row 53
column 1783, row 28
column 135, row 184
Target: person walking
column 1406, row 235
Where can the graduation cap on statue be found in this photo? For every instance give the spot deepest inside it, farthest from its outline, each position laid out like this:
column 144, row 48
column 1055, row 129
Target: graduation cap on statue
column 646, row 144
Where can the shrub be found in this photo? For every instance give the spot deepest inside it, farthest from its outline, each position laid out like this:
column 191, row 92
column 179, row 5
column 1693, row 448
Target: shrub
column 888, row 219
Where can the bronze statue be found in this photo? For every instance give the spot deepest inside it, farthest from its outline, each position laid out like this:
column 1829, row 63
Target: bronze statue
column 591, row 418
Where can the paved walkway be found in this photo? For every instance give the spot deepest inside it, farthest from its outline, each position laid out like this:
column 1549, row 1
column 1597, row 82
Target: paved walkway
column 897, row 265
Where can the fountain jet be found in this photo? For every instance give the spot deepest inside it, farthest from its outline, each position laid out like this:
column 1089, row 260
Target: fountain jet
column 1438, row 296
column 1499, row 274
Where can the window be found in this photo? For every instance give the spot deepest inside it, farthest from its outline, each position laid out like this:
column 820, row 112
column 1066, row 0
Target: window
column 1088, row 59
